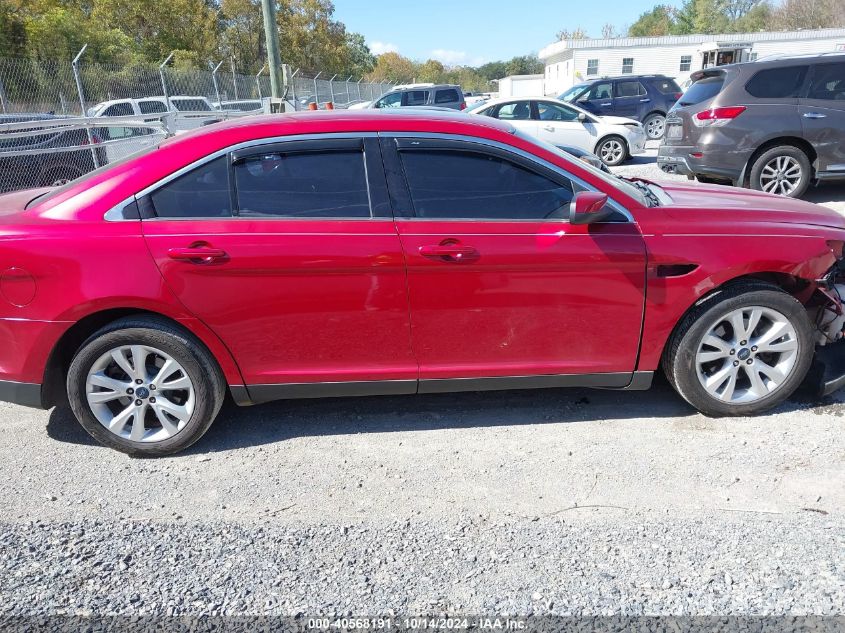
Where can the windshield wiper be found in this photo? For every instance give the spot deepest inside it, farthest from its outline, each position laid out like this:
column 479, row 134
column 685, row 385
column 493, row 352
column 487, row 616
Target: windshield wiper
column 647, row 191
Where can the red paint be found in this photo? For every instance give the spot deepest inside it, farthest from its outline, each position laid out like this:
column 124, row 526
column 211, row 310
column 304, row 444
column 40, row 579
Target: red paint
column 308, row 300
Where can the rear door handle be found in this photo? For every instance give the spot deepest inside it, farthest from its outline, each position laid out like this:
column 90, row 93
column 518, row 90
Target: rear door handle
column 549, row 128
column 814, row 115
column 197, row 254
column 604, row 105
column 644, row 100
column 449, row 252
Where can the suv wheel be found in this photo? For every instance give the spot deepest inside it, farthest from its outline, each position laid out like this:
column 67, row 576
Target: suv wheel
column 783, row 170
column 612, row 150
column 144, row 387
column 654, row 125
column 742, row 351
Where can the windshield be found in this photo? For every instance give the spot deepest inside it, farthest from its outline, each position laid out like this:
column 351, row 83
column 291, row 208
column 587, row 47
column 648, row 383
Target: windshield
column 573, row 92
column 614, row 182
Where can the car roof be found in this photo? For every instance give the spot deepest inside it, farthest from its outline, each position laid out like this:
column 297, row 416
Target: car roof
column 426, row 87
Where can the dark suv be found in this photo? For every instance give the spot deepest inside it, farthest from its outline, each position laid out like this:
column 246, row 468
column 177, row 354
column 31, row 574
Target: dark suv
column 441, row 95
column 776, row 125
column 646, row 98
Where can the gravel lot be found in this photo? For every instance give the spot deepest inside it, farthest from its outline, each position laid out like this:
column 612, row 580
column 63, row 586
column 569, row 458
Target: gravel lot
column 558, row 501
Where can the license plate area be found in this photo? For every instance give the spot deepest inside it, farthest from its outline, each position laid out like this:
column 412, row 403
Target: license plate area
column 674, row 131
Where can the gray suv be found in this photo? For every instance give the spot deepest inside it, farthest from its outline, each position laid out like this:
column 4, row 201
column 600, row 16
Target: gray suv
column 776, row 125
column 442, row 96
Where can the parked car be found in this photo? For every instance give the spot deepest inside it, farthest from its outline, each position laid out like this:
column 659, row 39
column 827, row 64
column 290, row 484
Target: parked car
column 54, row 156
column 242, row 105
column 191, row 109
column 646, row 98
column 587, row 157
column 443, row 95
column 312, row 255
column 613, row 139
column 776, row 125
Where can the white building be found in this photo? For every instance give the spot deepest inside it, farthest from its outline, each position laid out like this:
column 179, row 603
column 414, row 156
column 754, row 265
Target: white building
column 521, row 86
column 571, row 61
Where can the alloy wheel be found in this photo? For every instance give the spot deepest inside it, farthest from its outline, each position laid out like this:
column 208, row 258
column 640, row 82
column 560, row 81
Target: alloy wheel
column 140, row 393
column 781, row 175
column 654, row 127
column 611, row 151
column 747, row 355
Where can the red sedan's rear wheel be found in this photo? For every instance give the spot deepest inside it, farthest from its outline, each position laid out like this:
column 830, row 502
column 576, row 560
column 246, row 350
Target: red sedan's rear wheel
column 742, row 351
column 144, row 387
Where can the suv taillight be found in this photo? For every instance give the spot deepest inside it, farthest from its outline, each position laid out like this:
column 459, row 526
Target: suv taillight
column 715, row 117
column 463, row 105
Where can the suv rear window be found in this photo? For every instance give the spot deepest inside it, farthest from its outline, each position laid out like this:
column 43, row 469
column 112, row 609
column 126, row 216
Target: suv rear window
column 446, row 96
column 777, row 83
column 667, row 86
column 702, row 90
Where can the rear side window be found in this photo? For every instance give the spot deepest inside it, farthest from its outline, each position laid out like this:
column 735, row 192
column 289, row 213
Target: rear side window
column 416, row 97
column 119, row 109
column 473, row 185
column 667, row 86
column 828, row 82
column 190, row 105
column 777, row 83
column 702, row 90
column 318, row 184
column 151, row 107
column 446, row 96
column 201, row 193
column 516, row 111
column 629, row 89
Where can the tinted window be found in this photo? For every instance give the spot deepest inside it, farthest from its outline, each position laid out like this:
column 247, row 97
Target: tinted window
column 516, row 111
column 393, row 100
column 667, row 86
column 777, row 83
column 330, row 184
column 201, row 193
column 466, row 184
column 190, row 105
column 416, row 97
column 603, row 90
column 828, row 82
column 629, row 89
column 151, row 107
column 119, row 109
column 702, row 90
column 446, row 96
column 553, row 112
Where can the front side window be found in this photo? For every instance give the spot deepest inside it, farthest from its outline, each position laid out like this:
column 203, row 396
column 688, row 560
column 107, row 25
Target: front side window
column 316, row 184
column 516, row 111
column 446, row 96
column 777, row 83
column 465, row 184
column 393, row 100
column 416, row 97
column 203, row 192
column 629, row 89
column 549, row 111
column 151, row 107
column 828, row 82
column 602, row 90
column 627, row 65
column 191, row 105
column 119, row 109
column 686, row 63
column 592, row 67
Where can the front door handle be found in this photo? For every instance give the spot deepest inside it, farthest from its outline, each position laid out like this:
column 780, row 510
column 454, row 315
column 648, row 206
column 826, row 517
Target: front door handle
column 197, row 254
column 549, row 128
column 644, row 100
column 604, row 105
column 814, row 115
column 455, row 253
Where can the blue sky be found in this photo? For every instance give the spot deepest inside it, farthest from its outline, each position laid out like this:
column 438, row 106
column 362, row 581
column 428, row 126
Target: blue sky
column 469, row 32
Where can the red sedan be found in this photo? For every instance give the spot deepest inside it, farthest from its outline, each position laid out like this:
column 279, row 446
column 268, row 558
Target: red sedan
column 360, row 253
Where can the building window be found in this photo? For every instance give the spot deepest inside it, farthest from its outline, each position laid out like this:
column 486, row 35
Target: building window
column 592, row 67
column 753, row 57
column 627, row 65
column 686, row 63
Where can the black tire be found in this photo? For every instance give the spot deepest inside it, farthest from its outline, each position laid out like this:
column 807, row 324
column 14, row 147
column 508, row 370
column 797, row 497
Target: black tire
column 707, row 180
column 621, row 158
column 758, row 180
column 652, row 123
column 58, row 175
column 679, row 359
column 200, row 366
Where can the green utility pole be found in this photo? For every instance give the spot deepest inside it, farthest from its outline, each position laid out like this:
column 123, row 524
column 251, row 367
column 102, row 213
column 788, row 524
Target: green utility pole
column 271, row 35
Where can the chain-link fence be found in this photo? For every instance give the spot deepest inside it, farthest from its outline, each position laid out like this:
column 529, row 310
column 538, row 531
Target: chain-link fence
column 59, row 120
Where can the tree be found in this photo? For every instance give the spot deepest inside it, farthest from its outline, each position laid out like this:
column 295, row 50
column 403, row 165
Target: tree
column 393, row 66
column 609, row 32
column 524, row 65
column 808, row 14
column 12, row 30
column 432, row 71
column 658, row 21
column 576, row 34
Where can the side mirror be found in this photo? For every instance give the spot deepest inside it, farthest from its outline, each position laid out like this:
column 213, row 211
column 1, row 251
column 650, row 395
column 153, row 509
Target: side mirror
column 582, row 117
column 588, row 207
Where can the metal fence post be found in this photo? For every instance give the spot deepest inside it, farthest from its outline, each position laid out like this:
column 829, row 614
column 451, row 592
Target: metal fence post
column 316, row 90
column 164, row 81
column 331, row 87
column 258, row 82
column 214, row 70
column 359, row 88
column 75, row 65
column 234, row 78
column 293, row 88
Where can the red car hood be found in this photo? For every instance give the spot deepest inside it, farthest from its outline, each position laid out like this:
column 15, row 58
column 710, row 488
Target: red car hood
column 746, row 205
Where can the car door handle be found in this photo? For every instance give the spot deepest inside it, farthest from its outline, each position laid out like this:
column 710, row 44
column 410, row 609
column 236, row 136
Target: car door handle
column 814, row 115
column 604, row 105
column 644, row 100
column 549, row 128
column 449, row 252
column 197, row 254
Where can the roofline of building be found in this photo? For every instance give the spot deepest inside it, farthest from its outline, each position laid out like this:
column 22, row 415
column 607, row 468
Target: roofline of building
column 681, row 40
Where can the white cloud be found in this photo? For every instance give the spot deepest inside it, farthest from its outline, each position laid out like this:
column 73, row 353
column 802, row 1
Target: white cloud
column 378, row 48
column 455, row 58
